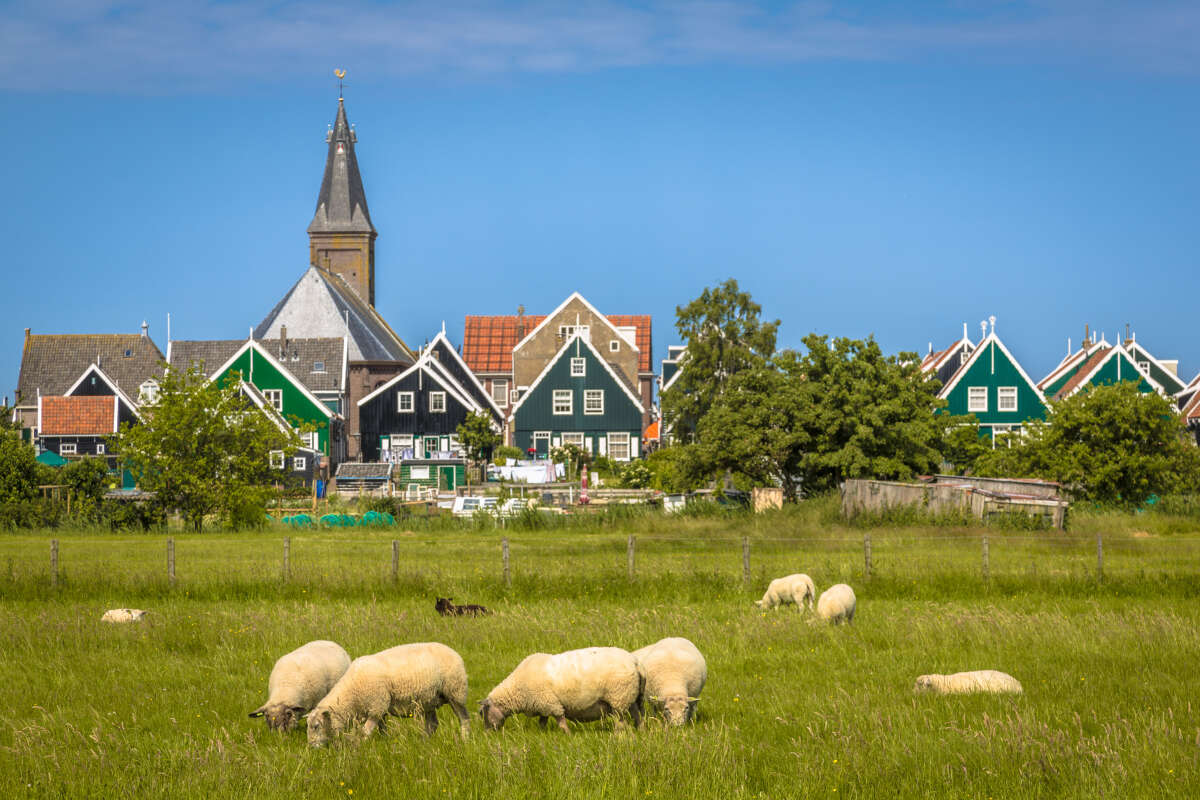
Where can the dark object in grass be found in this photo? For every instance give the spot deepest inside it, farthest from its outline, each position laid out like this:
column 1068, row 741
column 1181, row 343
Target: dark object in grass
column 445, row 606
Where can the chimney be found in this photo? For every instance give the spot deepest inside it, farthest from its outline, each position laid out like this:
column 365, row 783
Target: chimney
column 145, row 329
column 283, row 341
column 1086, row 335
column 1172, row 366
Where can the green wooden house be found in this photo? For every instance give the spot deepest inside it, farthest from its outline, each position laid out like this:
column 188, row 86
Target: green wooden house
column 285, row 393
column 1105, row 365
column 1071, row 364
column 579, row 399
column 1163, row 372
column 992, row 385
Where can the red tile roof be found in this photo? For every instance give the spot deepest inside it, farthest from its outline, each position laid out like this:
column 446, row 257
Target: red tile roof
column 82, row 415
column 488, row 342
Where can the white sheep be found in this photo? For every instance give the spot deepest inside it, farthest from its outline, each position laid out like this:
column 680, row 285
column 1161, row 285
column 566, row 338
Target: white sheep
column 837, row 604
column 118, row 615
column 411, row 679
column 982, row 680
column 796, row 589
column 583, row 685
column 675, row 672
column 299, row 680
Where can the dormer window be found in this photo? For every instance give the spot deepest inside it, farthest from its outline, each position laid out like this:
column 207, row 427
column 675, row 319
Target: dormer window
column 318, row 366
column 148, row 392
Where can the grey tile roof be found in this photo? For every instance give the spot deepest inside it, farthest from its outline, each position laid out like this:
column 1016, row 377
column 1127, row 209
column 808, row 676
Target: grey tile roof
column 322, row 305
column 358, row 471
column 50, row 363
column 342, row 203
column 300, row 358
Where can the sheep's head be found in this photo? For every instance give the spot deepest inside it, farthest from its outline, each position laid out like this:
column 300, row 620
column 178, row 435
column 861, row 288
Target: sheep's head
column 322, row 726
column 676, row 708
column 279, row 717
column 925, row 683
column 493, row 717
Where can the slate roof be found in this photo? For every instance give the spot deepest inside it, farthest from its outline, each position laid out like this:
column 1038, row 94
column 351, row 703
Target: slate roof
column 488, row 342
column 1083, row 373
column 319, row 305
column 299, row 358
column 353, row 470
column 342, row 203
column 51, row 363
column 84, row 415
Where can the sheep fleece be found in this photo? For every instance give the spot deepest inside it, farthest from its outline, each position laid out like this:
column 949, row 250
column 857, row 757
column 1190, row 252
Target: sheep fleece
column 837, row 604
column 981, row 680
column 571, row 684
column 790, row 589
column 675, row 672
column 412, row 679
column 303, row 677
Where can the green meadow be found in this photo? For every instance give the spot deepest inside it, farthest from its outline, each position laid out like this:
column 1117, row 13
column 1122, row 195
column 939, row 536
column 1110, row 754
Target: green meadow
column 793, row 708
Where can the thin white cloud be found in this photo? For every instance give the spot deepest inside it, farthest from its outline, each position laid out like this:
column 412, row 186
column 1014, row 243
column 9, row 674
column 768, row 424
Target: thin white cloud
column 150, row 45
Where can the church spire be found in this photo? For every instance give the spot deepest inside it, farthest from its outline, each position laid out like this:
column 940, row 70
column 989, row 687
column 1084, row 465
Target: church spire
column 341, row 236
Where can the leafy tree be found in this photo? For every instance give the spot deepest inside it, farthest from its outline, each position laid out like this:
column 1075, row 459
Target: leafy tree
column 724, row 337
column 1108, row 444
column 7, row 421
column 18, row 469
column 841, row 410
column 203, row 448
column 963, row 445
column 87, row 479
column 478, row 436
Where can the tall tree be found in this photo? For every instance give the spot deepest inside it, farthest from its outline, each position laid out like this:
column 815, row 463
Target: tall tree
column 1108, row 444
column 724, row 336
column 478, row 436
column 203, row 448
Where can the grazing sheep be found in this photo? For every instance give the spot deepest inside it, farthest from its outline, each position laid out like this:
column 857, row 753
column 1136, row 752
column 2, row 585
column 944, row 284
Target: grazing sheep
column 982, row 680
column 414, row 679
column 299, row 680
column 675, row 673
column 445, row 606
column 583, row 685
column 117, row 615
column 796, row 589
column 837, row 604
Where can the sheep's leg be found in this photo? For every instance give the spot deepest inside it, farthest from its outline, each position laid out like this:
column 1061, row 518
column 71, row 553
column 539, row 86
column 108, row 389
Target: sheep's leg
column 635, row 711
column 431, row 721
column 562, row 722
column 464, row 717
column 370, row 726
column 542, row 722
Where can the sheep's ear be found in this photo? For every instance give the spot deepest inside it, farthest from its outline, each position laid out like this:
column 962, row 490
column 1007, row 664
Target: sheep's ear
column 258, row 712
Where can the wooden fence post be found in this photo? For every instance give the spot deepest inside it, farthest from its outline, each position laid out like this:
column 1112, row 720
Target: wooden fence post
column 54, row 562
column 746, row 559
column 504, row 556
column 171, row 561
column 631, row 546
column 395, row 560
column 1099, row 557
column 986, row 567
column 867, row 554
column 287, row 557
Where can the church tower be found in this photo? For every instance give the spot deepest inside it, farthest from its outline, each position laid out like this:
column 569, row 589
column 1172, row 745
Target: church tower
column 341, row 238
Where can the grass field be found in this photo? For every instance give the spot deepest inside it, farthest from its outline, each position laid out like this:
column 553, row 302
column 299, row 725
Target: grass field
column 792, row 708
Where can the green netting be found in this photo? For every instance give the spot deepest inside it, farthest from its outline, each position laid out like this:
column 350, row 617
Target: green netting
column 377, row 519
column 299, row 521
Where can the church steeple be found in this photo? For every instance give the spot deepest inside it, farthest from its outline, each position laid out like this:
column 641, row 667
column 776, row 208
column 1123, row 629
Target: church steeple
column 341, row 238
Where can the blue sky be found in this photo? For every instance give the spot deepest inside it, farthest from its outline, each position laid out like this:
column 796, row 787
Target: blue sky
column 888, row 168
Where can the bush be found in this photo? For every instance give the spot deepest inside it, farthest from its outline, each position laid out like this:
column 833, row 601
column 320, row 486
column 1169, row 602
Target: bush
column 636, row 475
column 505, row 453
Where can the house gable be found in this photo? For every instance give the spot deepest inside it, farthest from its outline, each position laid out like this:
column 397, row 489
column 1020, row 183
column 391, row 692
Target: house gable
column 992, row 368
column 380, row 415
column 94, row 383
column 1107, row 367
column 1158, row 372
column 532, row 353
column 450, row 361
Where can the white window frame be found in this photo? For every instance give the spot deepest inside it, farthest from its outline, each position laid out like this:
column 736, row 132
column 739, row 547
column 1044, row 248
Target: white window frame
column 578, row 368
column 275, row 459
column 618, row 441
column 614, row 346
column 419, row 473
column 1144, row 366
column 500, row 391
column 437, row 402
column 566, row 331
column 318, row 366
column 68, row 449
column 562, row 402
column 147, row 392
column 299, row 463
column 100, row 448
column 514, row 395
column 1006, row 393
column 412, row 403
column 974, row 404
column 590, row 395
column 274, row 398
column 575, row 438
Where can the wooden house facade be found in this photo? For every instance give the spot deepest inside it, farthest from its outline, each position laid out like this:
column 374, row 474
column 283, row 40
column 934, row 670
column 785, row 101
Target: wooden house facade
column 580, row 399
column 993, row 386
column 417, row 413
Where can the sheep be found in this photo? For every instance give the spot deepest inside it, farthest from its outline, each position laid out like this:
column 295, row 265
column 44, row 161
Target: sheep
column 414, row 679
column 837, row 604
column 299, row 680
column 983, row 680
column 796, row 589
column 445, row 606
column 675, row 673
column 583, row 685
column 117, row 615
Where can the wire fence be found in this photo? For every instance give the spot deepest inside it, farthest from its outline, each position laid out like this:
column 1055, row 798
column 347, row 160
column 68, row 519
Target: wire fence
column 317, row 560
